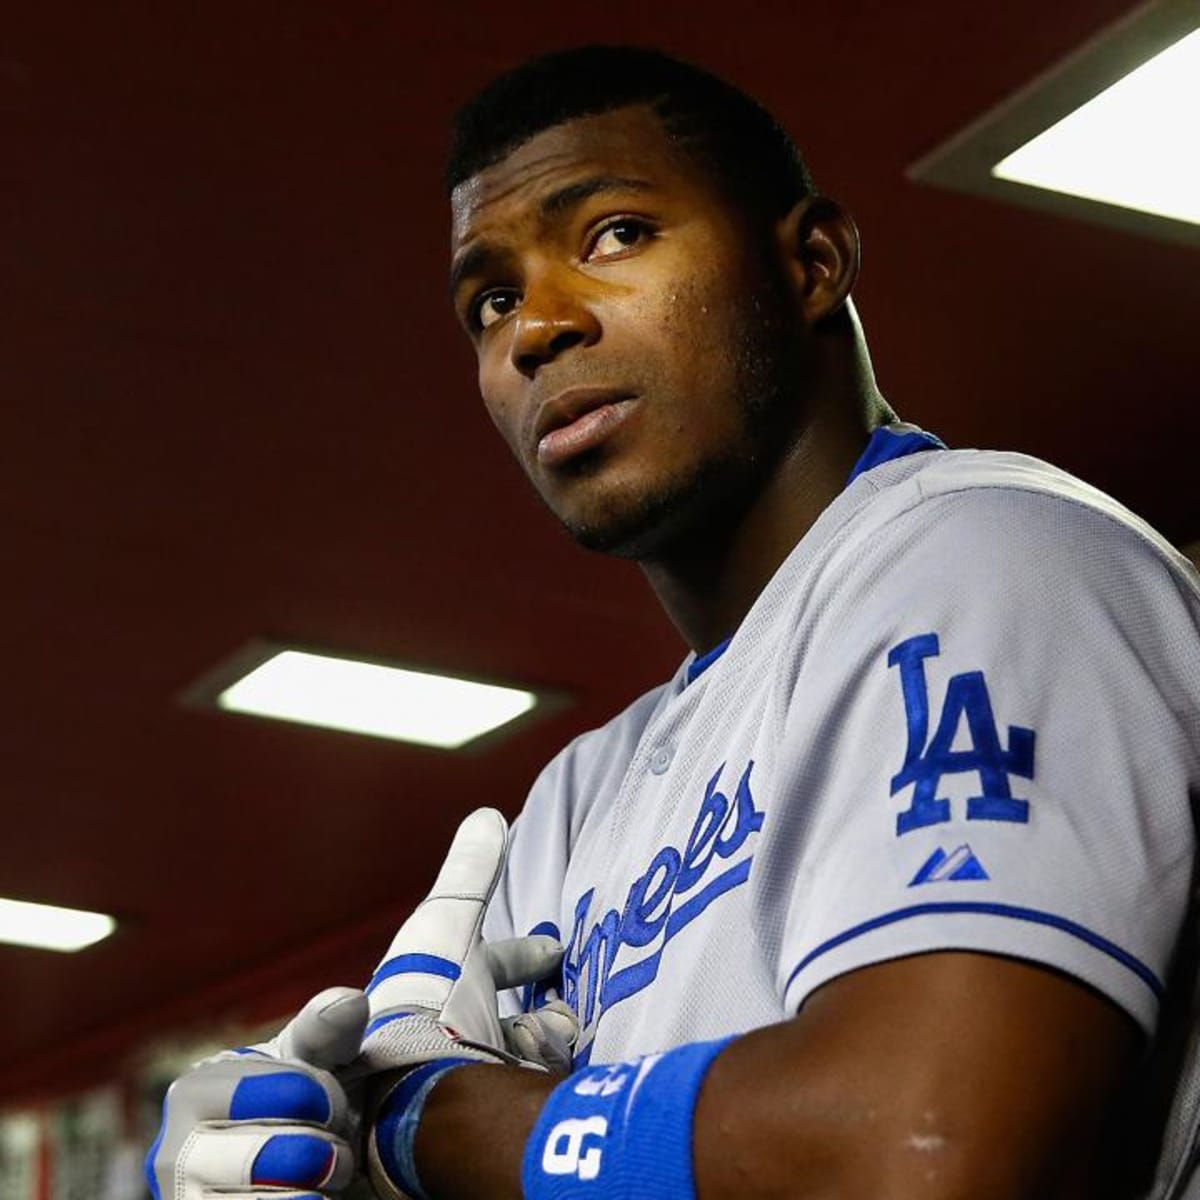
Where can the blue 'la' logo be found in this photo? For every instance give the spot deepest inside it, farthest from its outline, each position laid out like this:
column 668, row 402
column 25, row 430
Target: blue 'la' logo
column 924, row 765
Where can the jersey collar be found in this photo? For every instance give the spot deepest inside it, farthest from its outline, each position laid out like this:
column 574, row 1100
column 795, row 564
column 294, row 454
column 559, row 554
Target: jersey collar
column 698, row 666
column 887, row 443
column 890, row 442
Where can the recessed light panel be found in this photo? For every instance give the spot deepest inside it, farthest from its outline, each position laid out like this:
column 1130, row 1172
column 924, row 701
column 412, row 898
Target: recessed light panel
column 1133, row 145
column 1107, row 135
column 49, row 928
column 368, row 698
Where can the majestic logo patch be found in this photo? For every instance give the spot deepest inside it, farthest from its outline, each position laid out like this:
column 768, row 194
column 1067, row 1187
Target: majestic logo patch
column 675, row 888
column 929, row 758
column 955, row 867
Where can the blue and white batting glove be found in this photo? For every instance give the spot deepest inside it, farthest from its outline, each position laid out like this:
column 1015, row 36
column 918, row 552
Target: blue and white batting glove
column 433, row 1001
column 269, row 1120
column 434, row 994
column 544, row 1038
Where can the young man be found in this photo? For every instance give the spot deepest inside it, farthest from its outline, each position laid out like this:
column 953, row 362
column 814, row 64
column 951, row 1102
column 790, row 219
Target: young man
column 886, row 892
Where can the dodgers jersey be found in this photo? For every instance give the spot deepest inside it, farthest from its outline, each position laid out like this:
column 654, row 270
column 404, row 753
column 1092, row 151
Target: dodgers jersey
column 963, row 714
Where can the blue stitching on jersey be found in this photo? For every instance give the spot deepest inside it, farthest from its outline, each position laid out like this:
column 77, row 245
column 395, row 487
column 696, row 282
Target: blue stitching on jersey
column 687, row 912
column 639, row 975
column 1143, row 972
column 630, row 980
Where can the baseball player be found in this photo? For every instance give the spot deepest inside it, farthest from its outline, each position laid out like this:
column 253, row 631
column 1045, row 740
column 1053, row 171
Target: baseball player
column 887, row 891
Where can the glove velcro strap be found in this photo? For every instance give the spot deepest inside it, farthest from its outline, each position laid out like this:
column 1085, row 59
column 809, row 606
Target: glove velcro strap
column 620, row 1132
column 403, row 1039
column 390, row 1147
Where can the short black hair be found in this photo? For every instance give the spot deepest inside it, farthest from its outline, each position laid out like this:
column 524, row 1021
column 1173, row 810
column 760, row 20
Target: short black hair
column 753, row 159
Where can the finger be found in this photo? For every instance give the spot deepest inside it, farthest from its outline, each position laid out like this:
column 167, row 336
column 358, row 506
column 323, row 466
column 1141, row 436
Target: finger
column 474, row 857
column 249, row 1157
column 251, row 1089
column 560, row 1019
column 328, row 1030
column 426, row 956
column 302, row 1160
column 234, row 1094
column 530, row 1039
column 524, row 1038
column 516, row 961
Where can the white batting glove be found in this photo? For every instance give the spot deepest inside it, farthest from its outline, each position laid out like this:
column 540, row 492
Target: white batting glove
column 433, row 998
column 545, row 1038
column 272, row 1121
column 267, row 1121
column 434, row 994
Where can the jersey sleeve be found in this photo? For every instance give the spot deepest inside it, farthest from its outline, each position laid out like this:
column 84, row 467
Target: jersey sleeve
column 990, row 744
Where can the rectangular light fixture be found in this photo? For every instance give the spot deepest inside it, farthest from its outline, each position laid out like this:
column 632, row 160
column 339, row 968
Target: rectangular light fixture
column 1135, row 144
column 49, row 928
column 1107, row 135
column 354, row 696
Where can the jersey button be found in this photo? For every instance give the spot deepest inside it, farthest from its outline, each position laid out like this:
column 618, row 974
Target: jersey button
column 660, row 760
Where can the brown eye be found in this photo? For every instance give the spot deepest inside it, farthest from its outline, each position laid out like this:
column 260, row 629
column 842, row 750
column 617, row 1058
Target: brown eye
column 491, row 306
column 618, row 236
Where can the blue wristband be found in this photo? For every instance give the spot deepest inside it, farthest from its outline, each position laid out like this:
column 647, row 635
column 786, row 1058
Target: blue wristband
column 398, row 1119
column 621, row 1132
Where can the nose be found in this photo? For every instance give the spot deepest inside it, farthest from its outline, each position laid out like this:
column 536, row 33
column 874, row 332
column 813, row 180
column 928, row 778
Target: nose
column 552, row 319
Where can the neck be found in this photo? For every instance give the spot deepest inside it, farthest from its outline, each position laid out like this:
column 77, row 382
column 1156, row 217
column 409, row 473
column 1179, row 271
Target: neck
column 707, row 583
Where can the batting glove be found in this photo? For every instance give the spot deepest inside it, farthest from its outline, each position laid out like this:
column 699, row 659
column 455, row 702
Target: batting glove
column 272, row 1120
column 267, row 1121
column 434, row 994
column 545, row 1038
column 433, row 1002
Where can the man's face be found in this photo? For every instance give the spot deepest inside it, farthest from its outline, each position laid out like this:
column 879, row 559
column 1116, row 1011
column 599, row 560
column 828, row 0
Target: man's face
column 628, row 333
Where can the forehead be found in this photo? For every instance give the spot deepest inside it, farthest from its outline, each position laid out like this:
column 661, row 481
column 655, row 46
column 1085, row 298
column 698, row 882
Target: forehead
column 627, row 143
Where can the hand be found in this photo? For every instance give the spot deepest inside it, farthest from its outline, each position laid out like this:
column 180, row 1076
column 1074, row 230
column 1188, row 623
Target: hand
column 267, row 1121
column 433, row 999
column 545, row 1038
column 434, row 994
column 242, row 1123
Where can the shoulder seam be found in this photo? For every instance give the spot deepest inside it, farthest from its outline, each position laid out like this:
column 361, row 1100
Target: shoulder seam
column 1087, row 498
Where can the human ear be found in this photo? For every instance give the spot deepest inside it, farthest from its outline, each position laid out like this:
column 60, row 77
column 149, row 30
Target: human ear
column 819, row 247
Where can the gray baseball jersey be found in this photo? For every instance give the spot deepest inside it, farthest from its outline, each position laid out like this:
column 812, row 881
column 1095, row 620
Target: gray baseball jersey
column 963, row 714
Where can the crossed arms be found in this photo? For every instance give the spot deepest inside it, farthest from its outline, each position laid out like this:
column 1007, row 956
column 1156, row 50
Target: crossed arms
column 941, row 1075
column 936, row 1076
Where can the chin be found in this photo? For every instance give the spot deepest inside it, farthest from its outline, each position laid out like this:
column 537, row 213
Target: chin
column 633, row 540
column 653, row 523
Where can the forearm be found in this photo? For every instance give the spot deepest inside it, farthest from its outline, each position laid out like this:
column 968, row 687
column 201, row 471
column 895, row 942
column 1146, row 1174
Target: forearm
column 474, row 1129
column 623, row 1128
column 478, row 1120
column 870, row 1092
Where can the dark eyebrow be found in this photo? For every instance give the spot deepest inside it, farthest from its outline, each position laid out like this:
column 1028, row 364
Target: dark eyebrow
column 470, row 262
column 479, row 256
column 557, row 203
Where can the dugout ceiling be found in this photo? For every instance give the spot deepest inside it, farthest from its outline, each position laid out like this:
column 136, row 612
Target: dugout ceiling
column 236, row 406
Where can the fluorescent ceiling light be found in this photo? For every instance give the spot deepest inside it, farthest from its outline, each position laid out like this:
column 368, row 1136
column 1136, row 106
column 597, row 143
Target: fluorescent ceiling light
column 1107, row 135
column 1133, row 145
column 51, row 928
column 382, row 701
